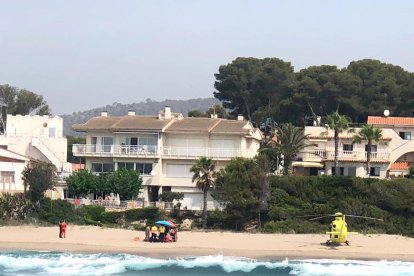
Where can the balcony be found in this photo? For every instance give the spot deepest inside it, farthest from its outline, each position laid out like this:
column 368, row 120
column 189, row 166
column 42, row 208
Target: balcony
column 352, row 156
column 152, row 151
column 193, row 153
column 115, row 150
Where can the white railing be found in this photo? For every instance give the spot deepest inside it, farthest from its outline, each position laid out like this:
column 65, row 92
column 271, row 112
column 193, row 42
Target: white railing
column 198, row 152
column 115, row 149
column 150, row 150
column 319, row 155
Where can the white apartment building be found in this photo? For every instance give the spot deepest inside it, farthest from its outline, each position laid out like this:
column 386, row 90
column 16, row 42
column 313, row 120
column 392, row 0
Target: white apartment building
column 391, row 158
column 37, row 138
column 163, row 148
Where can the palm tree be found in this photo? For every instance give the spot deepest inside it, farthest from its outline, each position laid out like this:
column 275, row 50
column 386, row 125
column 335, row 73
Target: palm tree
column 204, row 176
column 338, row 123
column 290, row 140
column 370, row 133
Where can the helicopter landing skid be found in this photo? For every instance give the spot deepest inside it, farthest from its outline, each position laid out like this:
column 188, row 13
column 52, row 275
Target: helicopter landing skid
column 347, row 243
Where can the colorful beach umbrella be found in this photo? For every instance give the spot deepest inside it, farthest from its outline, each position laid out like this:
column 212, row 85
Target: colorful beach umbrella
column 172, row 223
column 165, row 223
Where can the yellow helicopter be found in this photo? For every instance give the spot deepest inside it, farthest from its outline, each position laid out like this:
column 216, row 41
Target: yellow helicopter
column 339, row 228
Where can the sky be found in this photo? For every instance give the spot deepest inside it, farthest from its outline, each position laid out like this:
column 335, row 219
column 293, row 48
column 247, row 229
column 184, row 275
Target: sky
column 82, row 54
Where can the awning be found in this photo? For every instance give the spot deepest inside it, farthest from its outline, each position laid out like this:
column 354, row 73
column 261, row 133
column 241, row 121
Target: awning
column 307, row 164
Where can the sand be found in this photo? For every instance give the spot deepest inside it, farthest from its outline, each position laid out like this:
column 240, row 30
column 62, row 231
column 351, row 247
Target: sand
column 88, row 239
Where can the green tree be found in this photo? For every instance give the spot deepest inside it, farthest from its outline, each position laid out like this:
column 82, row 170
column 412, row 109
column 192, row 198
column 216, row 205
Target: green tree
column 82, row 183
column 217, row 109
column 338, row 123
column 126, row 183
column 383, row 86
column 288, row 142
column 196, row 113
column 38, row 177
column 322, row 90
column 371, row 134
column 204, row 177
column 27, row 101
column 242, row 187
column 246, row 84
column 20, row 101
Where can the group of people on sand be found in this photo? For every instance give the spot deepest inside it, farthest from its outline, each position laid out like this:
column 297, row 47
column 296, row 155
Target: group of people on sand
column 160, row 233
column 62, row 228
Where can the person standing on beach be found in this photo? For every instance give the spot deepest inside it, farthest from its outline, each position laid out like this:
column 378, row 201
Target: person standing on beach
column 154, row 232
column 162, row 233
column 60, row 228
column 63, row 227
column 147, row 233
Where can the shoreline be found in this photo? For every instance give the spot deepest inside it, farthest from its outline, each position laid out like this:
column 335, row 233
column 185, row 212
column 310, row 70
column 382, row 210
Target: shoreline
column 95, row 240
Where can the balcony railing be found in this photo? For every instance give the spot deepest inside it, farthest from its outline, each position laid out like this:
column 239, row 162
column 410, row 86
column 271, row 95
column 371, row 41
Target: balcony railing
column 188, row 152
column 142, row 150
column 321, row 155
column 149, row 150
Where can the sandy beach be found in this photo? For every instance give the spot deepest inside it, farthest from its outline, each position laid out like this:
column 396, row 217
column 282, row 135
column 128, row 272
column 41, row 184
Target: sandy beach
column 88, row 239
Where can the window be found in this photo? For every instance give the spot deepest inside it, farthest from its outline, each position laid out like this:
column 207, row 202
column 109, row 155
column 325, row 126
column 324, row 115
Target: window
column 102, row 144
column 52, row 132
column 375, row 171
column 405, row 135
column 178, row 170
column 143, row 168
column 102, row 167
column 345, row 171
column 347, row 148
column 373, row 148
column 126, row 165
column 7, row 177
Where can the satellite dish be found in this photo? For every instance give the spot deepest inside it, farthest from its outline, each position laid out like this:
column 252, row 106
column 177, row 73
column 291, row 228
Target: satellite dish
column 386, row 113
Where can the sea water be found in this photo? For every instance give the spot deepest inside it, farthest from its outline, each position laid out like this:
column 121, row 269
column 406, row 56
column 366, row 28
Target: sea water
column 53, row 263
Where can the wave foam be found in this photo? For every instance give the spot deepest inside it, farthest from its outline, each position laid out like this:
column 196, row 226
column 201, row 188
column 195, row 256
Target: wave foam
column 26, row 263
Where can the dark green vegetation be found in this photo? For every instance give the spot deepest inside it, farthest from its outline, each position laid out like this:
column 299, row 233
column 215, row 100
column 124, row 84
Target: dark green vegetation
column 293, row 200
column 255, row 201
column 269, row 88
column 126, row 183
column 37, row 178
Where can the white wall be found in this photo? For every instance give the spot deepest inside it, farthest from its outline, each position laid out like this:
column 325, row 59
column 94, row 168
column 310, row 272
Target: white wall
column 17, row 168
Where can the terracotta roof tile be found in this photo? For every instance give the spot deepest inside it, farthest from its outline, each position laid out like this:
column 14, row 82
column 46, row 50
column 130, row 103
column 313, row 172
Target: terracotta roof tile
column 399, row 166
column 378, row 120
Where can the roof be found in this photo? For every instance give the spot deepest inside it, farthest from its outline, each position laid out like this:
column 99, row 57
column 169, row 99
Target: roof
column 307, row 164
column 123, row 123
column 231, row 126
column 152, row 123
column 10, row 156
column 378, row 120
column 193, row 124
column 399, row 166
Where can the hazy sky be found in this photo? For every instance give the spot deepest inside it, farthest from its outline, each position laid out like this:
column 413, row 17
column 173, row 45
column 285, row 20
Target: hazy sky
column 84, row 54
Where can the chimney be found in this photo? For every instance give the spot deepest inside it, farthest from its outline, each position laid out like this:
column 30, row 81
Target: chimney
column 167, row 113
column 104, row 114
column 240, row 118
column 131, row 113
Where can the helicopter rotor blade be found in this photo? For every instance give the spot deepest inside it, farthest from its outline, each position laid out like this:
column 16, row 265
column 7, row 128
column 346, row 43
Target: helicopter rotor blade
column 321, row 217
column 354, row 216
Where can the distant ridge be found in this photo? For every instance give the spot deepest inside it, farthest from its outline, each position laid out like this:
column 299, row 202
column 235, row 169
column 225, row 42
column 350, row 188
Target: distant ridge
column 148, row 107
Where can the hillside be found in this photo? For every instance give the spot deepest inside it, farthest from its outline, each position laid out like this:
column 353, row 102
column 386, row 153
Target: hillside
column 148, row 107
